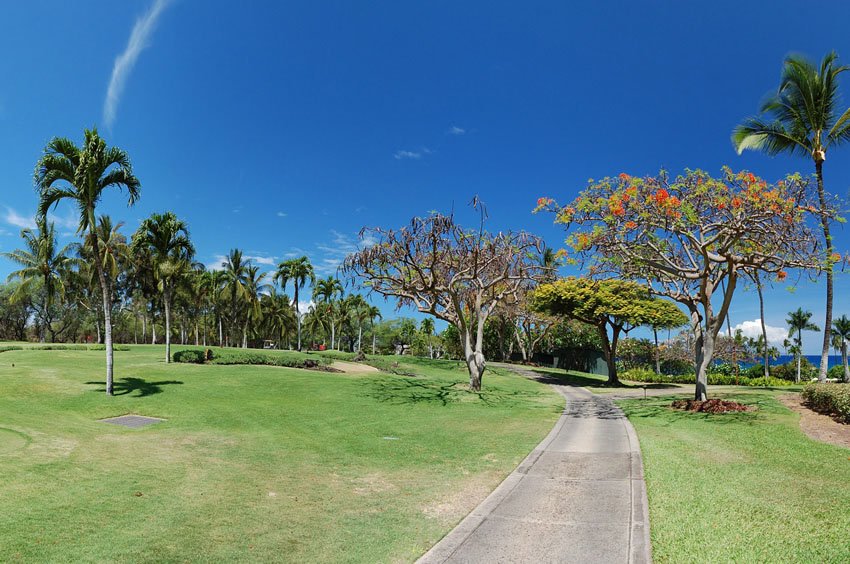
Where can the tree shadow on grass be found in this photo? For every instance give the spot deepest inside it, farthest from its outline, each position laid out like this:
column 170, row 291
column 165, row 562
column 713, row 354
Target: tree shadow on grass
column 130, row 384
column 409, row 391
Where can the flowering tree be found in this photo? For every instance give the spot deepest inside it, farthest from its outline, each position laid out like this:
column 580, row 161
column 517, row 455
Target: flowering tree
column 454, row 274
column 692, row 236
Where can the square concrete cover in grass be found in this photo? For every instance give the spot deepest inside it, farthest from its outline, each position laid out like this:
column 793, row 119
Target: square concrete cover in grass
column 132, row 421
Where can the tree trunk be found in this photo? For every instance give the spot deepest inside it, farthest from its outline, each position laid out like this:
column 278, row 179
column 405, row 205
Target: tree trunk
column 657, row 352
column 166, row 297
column 153, row 330
column 763, row 329
column 609, row 351
column 374, row 340
column 474, row 363
column 144, row 328
column 359, row 337
column 245, row 335
column 107, row 313
column 799, row 353
column 827, row 324
column 333, row 335
column 297, row 317
column 220, row 332
column 703, row 353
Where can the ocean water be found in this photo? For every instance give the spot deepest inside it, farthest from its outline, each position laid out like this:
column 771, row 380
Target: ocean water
column 834, row 360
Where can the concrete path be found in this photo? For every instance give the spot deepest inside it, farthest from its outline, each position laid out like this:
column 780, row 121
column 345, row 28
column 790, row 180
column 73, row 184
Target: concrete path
column 578, row 497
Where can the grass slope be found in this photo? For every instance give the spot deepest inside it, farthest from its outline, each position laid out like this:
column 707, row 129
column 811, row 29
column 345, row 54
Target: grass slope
column 745, row 487
column 254, row 463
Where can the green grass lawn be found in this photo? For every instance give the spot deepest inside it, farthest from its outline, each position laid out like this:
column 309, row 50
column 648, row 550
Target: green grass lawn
column 745, row 487
column 255, row 463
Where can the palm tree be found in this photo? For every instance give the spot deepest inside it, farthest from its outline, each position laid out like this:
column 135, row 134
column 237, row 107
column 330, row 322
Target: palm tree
column 803, row 119
column 235, row 275
column 82, row 174
column 315, row 323
column 373, row 313
column 254, row 287
column 799, row 321
column 42, row 264
column 278, row 315
column 426, row 326
column 112, row 252
column 217, row 281
column 166, row 238
column 841, row 328
column 300, row 271
column 325, row 291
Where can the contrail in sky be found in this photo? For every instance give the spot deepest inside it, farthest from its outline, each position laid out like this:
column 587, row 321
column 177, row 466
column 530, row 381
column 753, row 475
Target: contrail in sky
column 124, row 63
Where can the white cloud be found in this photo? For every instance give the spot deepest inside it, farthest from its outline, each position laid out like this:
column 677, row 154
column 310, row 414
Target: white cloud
column 124, row 63
column 282, row 214
column 775, row 335
column 335, row 251
column 414, row 155
column 455, row 130
column 216, row 263
column 268, row 261
column 14, row 218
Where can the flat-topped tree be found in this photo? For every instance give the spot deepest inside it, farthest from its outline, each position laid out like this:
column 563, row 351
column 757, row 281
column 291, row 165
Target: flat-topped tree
column 687, row 236
column 611, row 305
column 454, row 274
column 81, row 175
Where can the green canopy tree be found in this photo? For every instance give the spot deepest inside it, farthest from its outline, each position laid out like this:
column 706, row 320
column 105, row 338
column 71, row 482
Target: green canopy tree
column 609, row 305
column 166, row 239
column 299, row 271
column 799, row 321
column 803, row 118
column 81, row 175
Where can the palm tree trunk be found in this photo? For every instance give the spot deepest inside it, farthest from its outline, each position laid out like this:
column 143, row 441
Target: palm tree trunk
column 359, row 337
column 827, row 324
column 107, row 313
column 799, row 353
column 374, row 339
column 844, row 360
column 657, row 352
column 297, row 316
column 763, row 328
column 166, row 297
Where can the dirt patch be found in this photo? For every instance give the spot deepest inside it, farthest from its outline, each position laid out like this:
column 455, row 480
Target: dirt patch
column 710, row 406
column 353, row 367
column 459, row 502
column 817, row 426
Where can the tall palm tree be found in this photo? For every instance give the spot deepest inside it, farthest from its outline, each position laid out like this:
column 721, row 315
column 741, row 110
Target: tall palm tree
column 217, row 281
column 111, row 251
column 799, row 321
column 374, row 313
column 300, row 271
column 278, row 315
column 325, row 291
column 81, row 175
column 235, row 274
column 426, row 326
column 166, row 238
column 841, row 328
column 803, row 118
column 43, row 264
column 254, row 287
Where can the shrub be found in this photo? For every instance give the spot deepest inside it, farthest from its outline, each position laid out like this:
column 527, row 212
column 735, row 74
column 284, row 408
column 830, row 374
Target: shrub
column 193, row 356
column 714, row 379
column 114, row 347
column 291, row 360
column 830, row 399
column 5, row 348
column 836, row 372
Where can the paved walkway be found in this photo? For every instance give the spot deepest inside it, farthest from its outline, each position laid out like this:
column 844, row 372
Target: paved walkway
column 578, row 497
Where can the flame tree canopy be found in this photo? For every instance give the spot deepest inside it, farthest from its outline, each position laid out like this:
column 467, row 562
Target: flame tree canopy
column 455, row 274
column 692, row 236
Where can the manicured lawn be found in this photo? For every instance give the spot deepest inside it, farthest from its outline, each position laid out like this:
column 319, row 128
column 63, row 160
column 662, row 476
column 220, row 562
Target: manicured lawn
column 746, row 487
column 254, row 463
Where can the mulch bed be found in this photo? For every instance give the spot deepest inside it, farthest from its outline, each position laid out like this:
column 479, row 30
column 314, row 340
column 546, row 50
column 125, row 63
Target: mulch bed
column 710, row 406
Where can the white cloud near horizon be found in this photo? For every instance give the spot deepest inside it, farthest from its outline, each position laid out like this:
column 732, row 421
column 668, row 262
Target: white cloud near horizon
column 124, row 63
column 775, row 335
column 455, row 130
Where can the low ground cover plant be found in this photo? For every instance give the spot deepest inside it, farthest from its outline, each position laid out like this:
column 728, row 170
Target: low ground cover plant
column 714, row 379
column 288, row 359
column 830, row 399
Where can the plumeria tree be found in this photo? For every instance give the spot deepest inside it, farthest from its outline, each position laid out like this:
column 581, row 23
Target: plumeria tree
column 455, row 274
column 692, row 237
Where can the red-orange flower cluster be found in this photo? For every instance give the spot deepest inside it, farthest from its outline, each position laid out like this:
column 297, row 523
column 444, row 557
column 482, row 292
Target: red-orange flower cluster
column 781, row 275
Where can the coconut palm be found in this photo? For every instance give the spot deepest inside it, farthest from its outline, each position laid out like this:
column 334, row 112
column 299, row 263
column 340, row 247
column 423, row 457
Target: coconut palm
column 325, row 291
column 299, row 271
column 799, row 321
column 426, row 327
column 112, row 252
column 841, row 329
column 81, row 175
column 373, row 313
column 803, row 118
column 166, row 239
column 254, row 287
column 278, row 315
column 235, row 275
column 43, row 264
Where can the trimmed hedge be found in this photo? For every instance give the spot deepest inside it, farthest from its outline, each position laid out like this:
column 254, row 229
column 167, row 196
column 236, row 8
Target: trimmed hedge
column 62, row 347
column 288, row 359
column 829, row 399
column 714, row 379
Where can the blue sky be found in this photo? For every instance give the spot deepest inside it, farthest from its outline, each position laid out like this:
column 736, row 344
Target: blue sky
column 283, row 128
